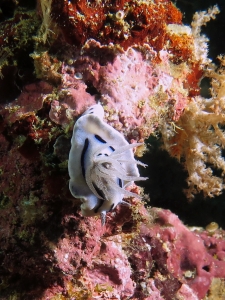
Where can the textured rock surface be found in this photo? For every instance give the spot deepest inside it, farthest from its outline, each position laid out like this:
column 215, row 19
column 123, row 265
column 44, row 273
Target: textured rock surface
column 146, row 73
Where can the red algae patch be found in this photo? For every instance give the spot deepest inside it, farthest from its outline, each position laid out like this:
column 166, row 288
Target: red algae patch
column 124, row 22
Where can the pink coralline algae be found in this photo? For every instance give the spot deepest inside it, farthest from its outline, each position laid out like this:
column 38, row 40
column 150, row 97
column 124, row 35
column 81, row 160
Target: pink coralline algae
column 153, row 258
column 193, row 257
column 73, row 99
column 146, row 84
column 28, row 103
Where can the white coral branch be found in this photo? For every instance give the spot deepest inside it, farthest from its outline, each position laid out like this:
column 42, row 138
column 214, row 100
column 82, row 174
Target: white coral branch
column 200, row 138
column 201, row 41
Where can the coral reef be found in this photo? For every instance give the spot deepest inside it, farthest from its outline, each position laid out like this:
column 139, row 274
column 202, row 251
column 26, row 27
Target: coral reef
column 199, row 137
column 160, row 258
column 16, row 43
column 144, row 66
column 150, row 89
column 124, row 23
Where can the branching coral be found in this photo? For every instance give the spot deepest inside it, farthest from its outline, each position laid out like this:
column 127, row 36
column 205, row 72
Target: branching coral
column 218, row 85
column 199, row 137
column 200, row 19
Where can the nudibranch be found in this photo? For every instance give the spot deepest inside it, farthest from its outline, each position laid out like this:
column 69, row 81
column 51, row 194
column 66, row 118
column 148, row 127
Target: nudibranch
column 101, row 164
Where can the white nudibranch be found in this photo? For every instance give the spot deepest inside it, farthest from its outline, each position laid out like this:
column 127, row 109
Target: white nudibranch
column 101, row 164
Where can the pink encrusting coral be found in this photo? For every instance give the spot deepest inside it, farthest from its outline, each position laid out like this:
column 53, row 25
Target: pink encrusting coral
column 160, row 259
column 137, row 89
column 72, row 101
column 28, row 103
column 190, row 256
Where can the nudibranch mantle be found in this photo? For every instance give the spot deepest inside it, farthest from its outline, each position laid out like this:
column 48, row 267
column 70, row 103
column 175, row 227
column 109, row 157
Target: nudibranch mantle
column 101, row 164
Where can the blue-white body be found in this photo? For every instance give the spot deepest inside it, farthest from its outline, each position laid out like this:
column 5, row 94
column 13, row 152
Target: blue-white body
column 101, row 164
